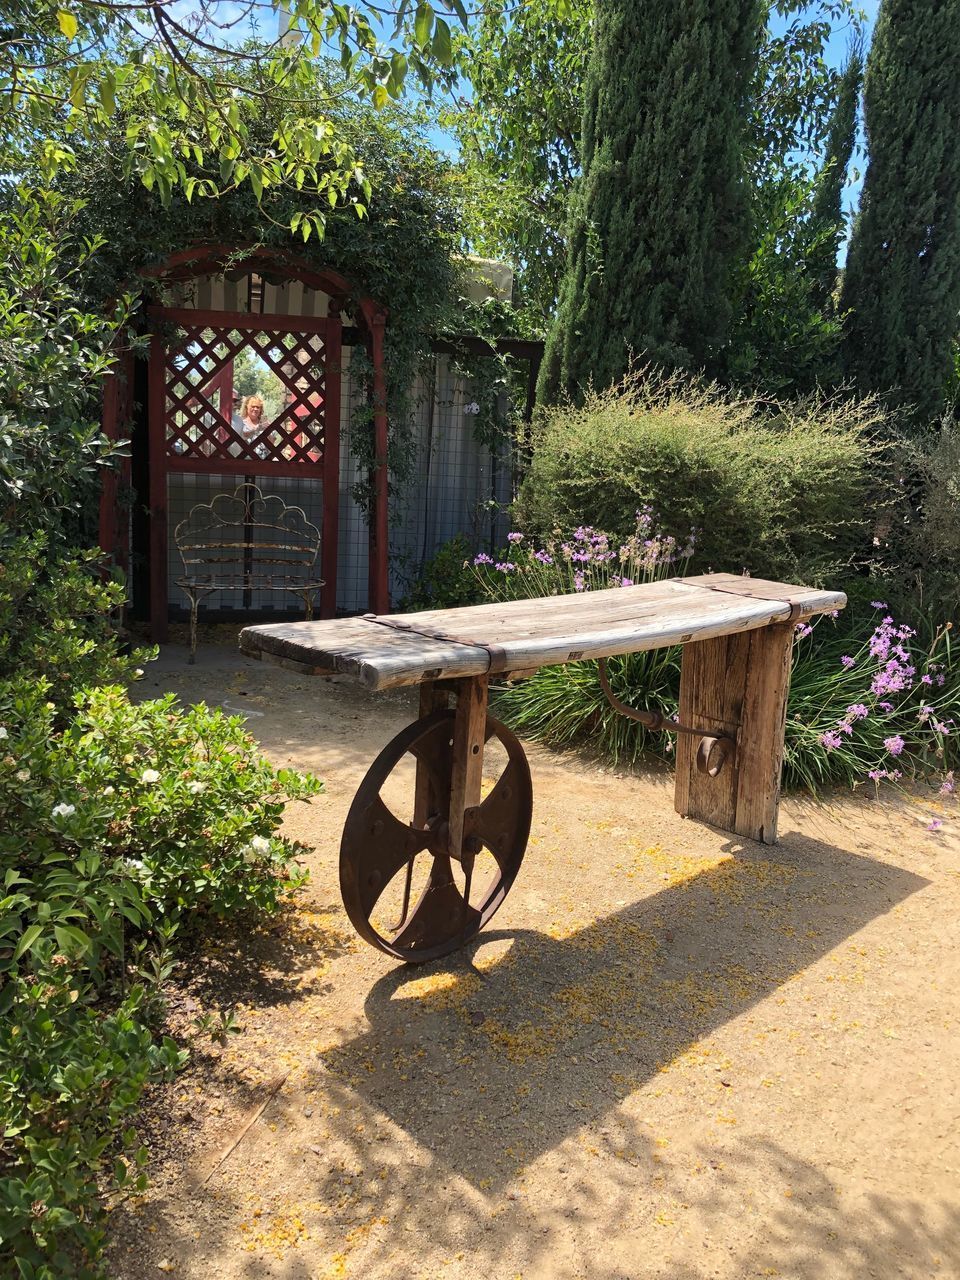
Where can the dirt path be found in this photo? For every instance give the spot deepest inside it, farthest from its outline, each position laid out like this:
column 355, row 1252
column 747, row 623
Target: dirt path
column 671, row 1055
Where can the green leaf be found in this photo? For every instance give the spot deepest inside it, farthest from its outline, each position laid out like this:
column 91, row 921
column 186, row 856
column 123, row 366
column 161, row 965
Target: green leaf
column 442, row 45
column 108, row 92
column 68, row 23
column 71, row 939
column 423, row 24
column 398, row 72
column 29, row 937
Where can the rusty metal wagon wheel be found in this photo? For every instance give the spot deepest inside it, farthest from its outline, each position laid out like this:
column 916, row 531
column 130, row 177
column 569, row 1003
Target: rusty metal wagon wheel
column 380, row 853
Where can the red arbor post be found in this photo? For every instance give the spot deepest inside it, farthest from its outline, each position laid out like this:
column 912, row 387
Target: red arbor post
column 189, row 408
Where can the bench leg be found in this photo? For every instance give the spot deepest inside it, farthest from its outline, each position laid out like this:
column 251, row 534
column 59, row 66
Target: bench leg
column 194, row 606
column 466, row 772
column 737, row 685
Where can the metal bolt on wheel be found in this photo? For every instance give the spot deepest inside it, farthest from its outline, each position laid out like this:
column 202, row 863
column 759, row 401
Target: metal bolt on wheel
column 379, row 853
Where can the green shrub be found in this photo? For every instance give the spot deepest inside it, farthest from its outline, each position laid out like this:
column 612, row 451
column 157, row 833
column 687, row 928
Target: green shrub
column 122, row 827
column 71, row 1074
column 931, row 555
column 118, row 834
column 782, row 490
column 57, row 618
column 445, row 581
column 585, row 560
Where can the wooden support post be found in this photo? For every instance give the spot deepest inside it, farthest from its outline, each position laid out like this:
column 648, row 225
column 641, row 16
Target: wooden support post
column 379, row 590
column 469, row 735
column 736, row 685
column 157, row 429
column 331, row 466
column 434, row 696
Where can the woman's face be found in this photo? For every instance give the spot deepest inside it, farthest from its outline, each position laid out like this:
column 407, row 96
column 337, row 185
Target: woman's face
column 255, row 412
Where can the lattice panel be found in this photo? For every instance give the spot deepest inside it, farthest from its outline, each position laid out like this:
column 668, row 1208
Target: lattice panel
column 201, row 423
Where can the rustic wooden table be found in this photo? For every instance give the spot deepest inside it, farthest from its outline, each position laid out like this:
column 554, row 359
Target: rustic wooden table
column 737, row 634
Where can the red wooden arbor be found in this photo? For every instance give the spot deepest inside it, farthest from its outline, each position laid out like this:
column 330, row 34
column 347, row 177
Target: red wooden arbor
column 192, row 425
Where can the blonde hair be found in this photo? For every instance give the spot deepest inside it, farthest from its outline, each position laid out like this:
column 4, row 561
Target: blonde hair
column 247, row 402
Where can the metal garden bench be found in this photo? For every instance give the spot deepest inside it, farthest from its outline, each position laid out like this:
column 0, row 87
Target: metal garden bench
column 737, row 637
column 243, row 541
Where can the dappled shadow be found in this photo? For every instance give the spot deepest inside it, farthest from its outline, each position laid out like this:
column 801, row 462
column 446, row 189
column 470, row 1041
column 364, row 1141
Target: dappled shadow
column 812, row 1231
column 263, row 962
column 496, row 1058
column 556, row 1031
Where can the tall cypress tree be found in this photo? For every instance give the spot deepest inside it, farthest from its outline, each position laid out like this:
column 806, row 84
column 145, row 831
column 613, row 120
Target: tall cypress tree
column 827, row 212
column 902, row 280
column 660, row 221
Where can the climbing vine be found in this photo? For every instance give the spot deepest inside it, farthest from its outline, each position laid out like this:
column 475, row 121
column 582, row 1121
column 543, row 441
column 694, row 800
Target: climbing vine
column 403, row 252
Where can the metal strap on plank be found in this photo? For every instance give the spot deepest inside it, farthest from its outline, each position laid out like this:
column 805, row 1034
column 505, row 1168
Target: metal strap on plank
column 797, row 609
column 498, row 656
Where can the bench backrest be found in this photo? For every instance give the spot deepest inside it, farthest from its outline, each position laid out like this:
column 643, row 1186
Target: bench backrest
column 247, row 526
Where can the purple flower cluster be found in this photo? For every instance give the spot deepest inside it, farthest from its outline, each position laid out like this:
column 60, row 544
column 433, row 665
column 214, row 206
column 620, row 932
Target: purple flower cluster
column 888, row 646
column 586, row 560
column 890, row 663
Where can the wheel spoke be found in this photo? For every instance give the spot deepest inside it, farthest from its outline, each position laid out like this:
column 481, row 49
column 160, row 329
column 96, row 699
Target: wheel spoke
column 381, row 845
column 497, row 818
column 441, row 917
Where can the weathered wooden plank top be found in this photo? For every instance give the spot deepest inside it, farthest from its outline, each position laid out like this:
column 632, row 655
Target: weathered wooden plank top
column 520, row 635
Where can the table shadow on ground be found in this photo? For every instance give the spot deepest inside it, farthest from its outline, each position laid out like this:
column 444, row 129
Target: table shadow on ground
column 488, row 1067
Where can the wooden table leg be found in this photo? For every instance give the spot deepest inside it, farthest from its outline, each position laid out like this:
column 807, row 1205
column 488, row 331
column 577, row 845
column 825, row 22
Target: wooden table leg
column 434, row 696
column 469, row 736
column 737, row 685
column 466, row 765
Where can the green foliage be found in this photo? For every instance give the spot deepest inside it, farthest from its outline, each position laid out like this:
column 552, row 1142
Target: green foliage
column 185, row 88
column 827, row 212
column 902, row 279
column 401, row 254
column 785, row 338
column 787, row 334
column 565, row 707
column 659, row 223
column 52, row 355
column 70, row 1077
column 122, row 827
column 57, row 618
column 57, row 605
column 519, row 138
column 445, row 581
column 928, row 551
column 786, row 490
column 116, row 835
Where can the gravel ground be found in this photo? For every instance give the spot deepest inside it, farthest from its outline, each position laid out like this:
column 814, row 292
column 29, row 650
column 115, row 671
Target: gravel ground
column 672, row 1054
